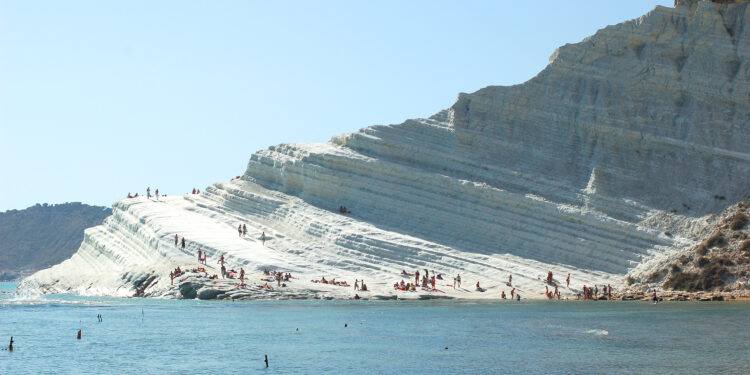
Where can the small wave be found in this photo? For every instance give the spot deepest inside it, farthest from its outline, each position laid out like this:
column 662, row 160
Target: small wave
column 27, row 294
column 598, row 332
column 47, row 301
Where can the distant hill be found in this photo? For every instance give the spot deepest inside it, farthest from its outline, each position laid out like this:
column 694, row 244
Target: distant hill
column 43, row 235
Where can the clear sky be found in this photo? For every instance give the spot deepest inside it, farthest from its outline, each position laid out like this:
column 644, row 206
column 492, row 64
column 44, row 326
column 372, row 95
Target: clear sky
column 98, row 99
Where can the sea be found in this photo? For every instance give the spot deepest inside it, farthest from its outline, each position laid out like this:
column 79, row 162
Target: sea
column 152, row 336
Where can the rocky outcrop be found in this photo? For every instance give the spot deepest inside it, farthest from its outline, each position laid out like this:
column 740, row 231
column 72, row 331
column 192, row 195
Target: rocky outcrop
column 719, row 262
column 606, row 164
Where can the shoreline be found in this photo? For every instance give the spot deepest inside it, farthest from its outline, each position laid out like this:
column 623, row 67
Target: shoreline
column 196, row 286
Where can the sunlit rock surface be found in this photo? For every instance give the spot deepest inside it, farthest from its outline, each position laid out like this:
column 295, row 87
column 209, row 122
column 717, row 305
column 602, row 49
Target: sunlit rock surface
column 608, row 162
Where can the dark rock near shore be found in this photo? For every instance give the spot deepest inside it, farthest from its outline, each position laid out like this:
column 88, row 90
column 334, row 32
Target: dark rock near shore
column 208, row 293
column 188, row 290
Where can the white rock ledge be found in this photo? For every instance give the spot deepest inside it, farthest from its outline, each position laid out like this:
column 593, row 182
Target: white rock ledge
column 608, row 162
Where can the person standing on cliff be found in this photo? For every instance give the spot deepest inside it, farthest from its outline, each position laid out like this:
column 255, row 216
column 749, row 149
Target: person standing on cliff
column 239, row 230
column 148, row 192
column 183, row 243
column 567, row 281
column 156, row 194
column 244, row 230
column 458, row 280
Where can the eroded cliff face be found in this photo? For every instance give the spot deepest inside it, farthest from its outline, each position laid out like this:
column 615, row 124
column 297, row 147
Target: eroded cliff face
column 610, row 161
column 648, row 115
column 656, row 109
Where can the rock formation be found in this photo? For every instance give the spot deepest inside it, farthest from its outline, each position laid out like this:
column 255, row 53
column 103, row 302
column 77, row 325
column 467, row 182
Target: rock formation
column 611, row 161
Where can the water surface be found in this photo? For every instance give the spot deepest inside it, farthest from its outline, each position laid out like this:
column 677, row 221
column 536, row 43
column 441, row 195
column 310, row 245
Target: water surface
column 164, row 336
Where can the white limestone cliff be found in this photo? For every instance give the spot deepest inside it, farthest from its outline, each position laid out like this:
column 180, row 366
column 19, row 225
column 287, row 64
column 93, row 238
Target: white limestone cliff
column 609, row 162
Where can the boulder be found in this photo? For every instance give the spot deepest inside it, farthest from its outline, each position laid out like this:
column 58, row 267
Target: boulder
column 188, row 290
column 208, row 293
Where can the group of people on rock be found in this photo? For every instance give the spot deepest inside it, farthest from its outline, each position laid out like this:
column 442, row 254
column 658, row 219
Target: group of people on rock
column 196, row 191
column 278, row 276
column 343, row 210
column 332, row 281
column 408, row 287
column 428, row 280
column 593, row 293
column 202, row 256
column 551, row 281
column 512, row 294
column 242, row 232
column 551, row 295
column 175, row 274
column 360, row 285
column 148, row 193
column 232, row 274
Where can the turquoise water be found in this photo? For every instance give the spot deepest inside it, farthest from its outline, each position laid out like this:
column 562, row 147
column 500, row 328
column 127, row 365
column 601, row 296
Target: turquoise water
column 154, row 336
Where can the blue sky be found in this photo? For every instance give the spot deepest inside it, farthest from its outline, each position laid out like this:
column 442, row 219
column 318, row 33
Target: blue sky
column 98, row 99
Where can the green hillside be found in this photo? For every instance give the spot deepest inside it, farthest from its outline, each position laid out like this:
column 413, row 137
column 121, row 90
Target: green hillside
column 43, row 235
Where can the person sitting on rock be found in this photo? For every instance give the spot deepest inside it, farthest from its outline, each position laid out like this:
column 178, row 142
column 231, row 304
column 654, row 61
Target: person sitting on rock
column 479, row 288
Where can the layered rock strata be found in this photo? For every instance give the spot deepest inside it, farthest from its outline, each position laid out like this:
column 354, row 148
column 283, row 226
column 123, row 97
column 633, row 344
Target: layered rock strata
column 609, row 162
